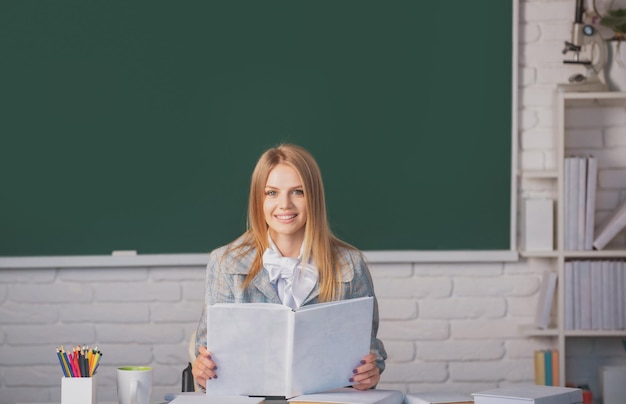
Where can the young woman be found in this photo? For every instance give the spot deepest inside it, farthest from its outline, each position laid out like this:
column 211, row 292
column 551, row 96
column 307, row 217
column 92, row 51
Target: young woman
column 288, row 255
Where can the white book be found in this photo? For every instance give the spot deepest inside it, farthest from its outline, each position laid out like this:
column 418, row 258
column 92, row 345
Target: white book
column 539, row 224
column 611, row 228
column 596, row 295
column 200, row 398
column 619, row 295
column 584, row 296
column 265, row 349
column 568, row 203
column 351, row 396
column 438, row 398
column 590, row 204
column 546, row 297
column 576, row 275
column 568, row 288
column 607, row 323
column 529, row 393
column 581, row 211
column 622, row 303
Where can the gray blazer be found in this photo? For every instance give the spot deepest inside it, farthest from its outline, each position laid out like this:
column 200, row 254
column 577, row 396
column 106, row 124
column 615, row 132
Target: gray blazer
column 225, row 274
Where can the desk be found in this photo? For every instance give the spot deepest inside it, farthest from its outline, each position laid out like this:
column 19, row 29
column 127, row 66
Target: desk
column 273, row 401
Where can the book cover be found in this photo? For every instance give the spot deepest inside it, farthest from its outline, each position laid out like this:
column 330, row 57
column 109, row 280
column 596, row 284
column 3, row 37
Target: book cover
column 254, row 345
column 350, row 396
column 548, row 367
column 584, row 296
column 200, row 398
column 581, row 194
column 556, row 372
column 607, row 295
column 438, row 398
column 596, row 295
column 540, row 367
column 546, row 298
column 611, row 228
column 529, row 394
column 568, row 291
column 566, row 197
column 590, row 204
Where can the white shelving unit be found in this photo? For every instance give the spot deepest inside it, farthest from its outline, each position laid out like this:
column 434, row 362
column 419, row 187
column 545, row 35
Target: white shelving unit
column 559, row 256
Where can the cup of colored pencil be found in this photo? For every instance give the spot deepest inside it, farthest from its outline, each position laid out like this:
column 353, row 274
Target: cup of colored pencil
column 80, row 362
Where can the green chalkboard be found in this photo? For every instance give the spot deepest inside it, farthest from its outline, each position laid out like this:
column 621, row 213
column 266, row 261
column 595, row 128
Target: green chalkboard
column 136, row 125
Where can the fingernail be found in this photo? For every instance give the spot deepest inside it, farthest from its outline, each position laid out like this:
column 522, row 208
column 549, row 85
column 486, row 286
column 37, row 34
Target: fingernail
column 215, row 377
column 362, row 361
column 209, row 357
column 351, row 379
column 355, row 371
column 214, row 368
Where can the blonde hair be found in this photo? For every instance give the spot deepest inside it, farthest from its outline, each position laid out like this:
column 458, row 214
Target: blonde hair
column 320, row 243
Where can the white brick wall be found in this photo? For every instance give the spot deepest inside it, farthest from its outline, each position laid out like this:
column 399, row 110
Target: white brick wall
column 446, row 327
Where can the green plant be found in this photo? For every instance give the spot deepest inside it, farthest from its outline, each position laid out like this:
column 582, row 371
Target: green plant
column 615, row 19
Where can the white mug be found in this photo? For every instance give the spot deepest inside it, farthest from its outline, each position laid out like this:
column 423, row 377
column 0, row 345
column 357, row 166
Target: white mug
column 134, row 385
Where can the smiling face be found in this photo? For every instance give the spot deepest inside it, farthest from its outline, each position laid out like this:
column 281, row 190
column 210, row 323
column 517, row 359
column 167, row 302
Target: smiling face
column 284, row 206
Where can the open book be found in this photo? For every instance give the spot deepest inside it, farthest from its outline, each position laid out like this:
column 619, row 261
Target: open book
column 266, row 349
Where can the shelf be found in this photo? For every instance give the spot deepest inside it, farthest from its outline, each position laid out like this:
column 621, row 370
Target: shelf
column 538, row 254
column 532, row 331
column 595, row 333
column 595, row 254
column 604, row 95
column 539, row 174
column 556, row 260
column 574, row 254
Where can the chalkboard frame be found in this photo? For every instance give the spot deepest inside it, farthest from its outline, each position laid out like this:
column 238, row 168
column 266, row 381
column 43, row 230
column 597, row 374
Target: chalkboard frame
column 287, row 138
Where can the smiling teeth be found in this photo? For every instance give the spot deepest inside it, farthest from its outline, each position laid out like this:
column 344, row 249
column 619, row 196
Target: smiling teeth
column 285, row 217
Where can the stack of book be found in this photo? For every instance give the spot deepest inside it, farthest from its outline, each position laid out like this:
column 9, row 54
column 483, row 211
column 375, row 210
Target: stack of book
column 529, row 394
column 547, row 367
column 595, row 295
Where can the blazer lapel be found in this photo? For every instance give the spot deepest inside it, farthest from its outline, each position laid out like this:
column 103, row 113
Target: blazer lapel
column 263, row 285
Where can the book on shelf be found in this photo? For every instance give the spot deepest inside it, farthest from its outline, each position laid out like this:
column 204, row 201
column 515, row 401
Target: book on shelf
column 581, row 212
column 590, row 203
column 540, row 367
column 584, row 294
column 580, row 183
column 438, row 398
column 350, row 396
column 546, row 298
column 615, row 224
column 546, row 364
column 570, row 204
column 266, row 349
column 529, row 394
column 594, row 295
column 538, row 224
column 568, row 292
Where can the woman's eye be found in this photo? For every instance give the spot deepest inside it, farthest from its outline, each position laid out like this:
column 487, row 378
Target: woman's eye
column 298, row 192
column 270, row 193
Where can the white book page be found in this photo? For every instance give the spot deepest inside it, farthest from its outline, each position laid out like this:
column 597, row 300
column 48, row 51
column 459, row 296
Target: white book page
column 329, row 342
column 248, row 343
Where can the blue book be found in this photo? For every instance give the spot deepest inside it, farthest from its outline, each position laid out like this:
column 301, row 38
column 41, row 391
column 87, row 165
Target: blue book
column 548, row 364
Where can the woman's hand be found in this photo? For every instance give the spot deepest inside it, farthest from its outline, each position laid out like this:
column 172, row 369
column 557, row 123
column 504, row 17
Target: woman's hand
column 203, row 368
column 367, row 375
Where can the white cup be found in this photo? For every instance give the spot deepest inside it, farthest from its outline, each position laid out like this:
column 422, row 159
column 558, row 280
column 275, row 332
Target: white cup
column 134, row 385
